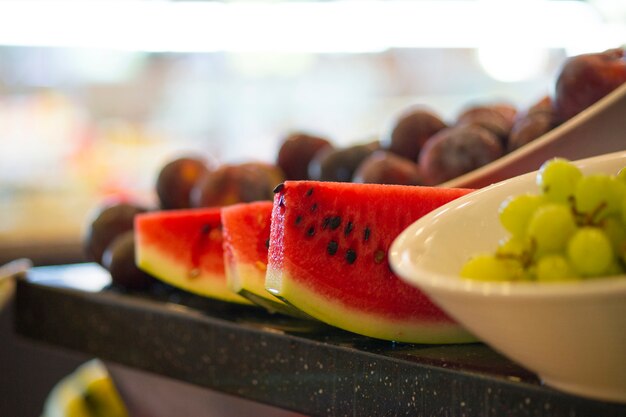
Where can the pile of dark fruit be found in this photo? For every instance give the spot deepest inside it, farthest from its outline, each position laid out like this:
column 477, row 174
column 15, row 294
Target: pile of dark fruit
column 419, row 148
column 184, row 182
column 109, row 240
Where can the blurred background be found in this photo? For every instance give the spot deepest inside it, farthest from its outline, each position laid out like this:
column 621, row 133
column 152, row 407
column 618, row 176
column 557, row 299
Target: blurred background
column 95, row 96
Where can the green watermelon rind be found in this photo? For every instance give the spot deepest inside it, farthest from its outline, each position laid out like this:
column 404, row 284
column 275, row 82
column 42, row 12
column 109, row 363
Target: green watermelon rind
column 281, row 284
column 245, row 272
column 244, row 277
column 158, row 264
column 249, row 282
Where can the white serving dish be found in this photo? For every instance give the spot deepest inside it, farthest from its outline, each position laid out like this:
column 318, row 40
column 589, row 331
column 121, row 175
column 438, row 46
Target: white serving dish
column 573, row 335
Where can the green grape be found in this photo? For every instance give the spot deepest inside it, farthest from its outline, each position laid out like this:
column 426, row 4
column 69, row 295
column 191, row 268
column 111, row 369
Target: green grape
column 488, row 267
column 615, row 268
column 519, row 249
column 575, row 229
column 557, row 179
column 621, row 175
column 590, row 252
column 624, row 209
column 615, row 230
column 531, row 272
column 598, row 196
column 513, row 247
column 515, row 212
column 554, row 268
column 550, row 227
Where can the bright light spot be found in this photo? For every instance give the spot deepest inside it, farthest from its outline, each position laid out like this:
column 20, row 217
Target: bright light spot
column 300, row 27
column 265, row 64
column 512, row 64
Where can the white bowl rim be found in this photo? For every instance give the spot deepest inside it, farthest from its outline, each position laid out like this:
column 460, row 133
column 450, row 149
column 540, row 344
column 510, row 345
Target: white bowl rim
column 399, row 258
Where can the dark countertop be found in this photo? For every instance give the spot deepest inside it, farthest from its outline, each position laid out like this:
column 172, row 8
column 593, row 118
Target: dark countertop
column 293, row 364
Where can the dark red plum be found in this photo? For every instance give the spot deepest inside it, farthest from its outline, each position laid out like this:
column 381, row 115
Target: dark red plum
column 119, row 260
column 274, row 174
column 456, row 151
column 383, row 167
column 338, row 164
column 296, row 152
column 538, row 120
column 585, row 79
column 529, row 128
column 177, row 178
column 109, row 221
column 490, row 118
column 411, row 130
column 231, row 184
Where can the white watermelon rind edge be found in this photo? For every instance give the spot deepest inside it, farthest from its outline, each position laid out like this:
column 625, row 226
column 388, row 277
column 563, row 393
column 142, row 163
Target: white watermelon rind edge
column 158, row 264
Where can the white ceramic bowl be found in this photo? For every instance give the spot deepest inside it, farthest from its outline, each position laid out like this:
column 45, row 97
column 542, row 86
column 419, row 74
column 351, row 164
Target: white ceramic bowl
column 597, row 130
column 573, row 335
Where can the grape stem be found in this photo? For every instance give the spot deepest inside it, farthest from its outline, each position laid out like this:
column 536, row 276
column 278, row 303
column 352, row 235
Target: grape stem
column 525, row 258
column 586, row 219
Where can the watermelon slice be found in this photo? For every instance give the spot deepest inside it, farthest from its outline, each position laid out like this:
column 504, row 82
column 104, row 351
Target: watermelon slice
column 184, row 248
column 328, row 258
column 246, row 232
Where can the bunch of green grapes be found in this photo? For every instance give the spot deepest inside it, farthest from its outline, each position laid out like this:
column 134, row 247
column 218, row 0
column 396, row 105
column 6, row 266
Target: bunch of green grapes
column 573, row 229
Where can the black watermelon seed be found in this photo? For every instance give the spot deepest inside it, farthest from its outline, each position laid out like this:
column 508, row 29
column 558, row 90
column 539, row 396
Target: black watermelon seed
column 281, row 200
column 206, row 228
column 366, row 234
column 348, row 228
column 332, row 247
column 279, row 188
column 309, row 192
column 298, row 220
column 314, row 207
column 325, row 223
column 267, row 243
column 350, row 256
column 379, row 256
column 335, row 222
column 310, row 231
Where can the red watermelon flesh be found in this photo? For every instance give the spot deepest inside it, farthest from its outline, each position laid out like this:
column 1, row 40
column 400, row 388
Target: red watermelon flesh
column 184, row 248
column 328, row 258
column 246, row 232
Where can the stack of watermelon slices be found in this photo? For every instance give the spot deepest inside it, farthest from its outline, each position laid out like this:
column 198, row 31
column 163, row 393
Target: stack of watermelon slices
column 318, row 251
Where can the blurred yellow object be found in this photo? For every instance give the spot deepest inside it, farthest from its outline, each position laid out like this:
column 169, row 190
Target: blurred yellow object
column 87, row 392
column 8, row 272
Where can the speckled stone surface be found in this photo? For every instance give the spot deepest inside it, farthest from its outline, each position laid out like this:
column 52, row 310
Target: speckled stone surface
column 292, row 364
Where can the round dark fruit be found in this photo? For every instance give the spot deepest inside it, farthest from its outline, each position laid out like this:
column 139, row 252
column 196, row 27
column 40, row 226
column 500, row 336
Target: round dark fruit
column 543, row 105
column 488, row 117
column 296, row 152
column 231, row 184
column 109, row 222
column 274, row 174
column 456, row 151
column 539, row 119
column 529, row 128
column 410, row 131
column 384, row 167
column 585, row 79
column 338, row 164
column 119, row 260
column 176, row 179
column 507, row 110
